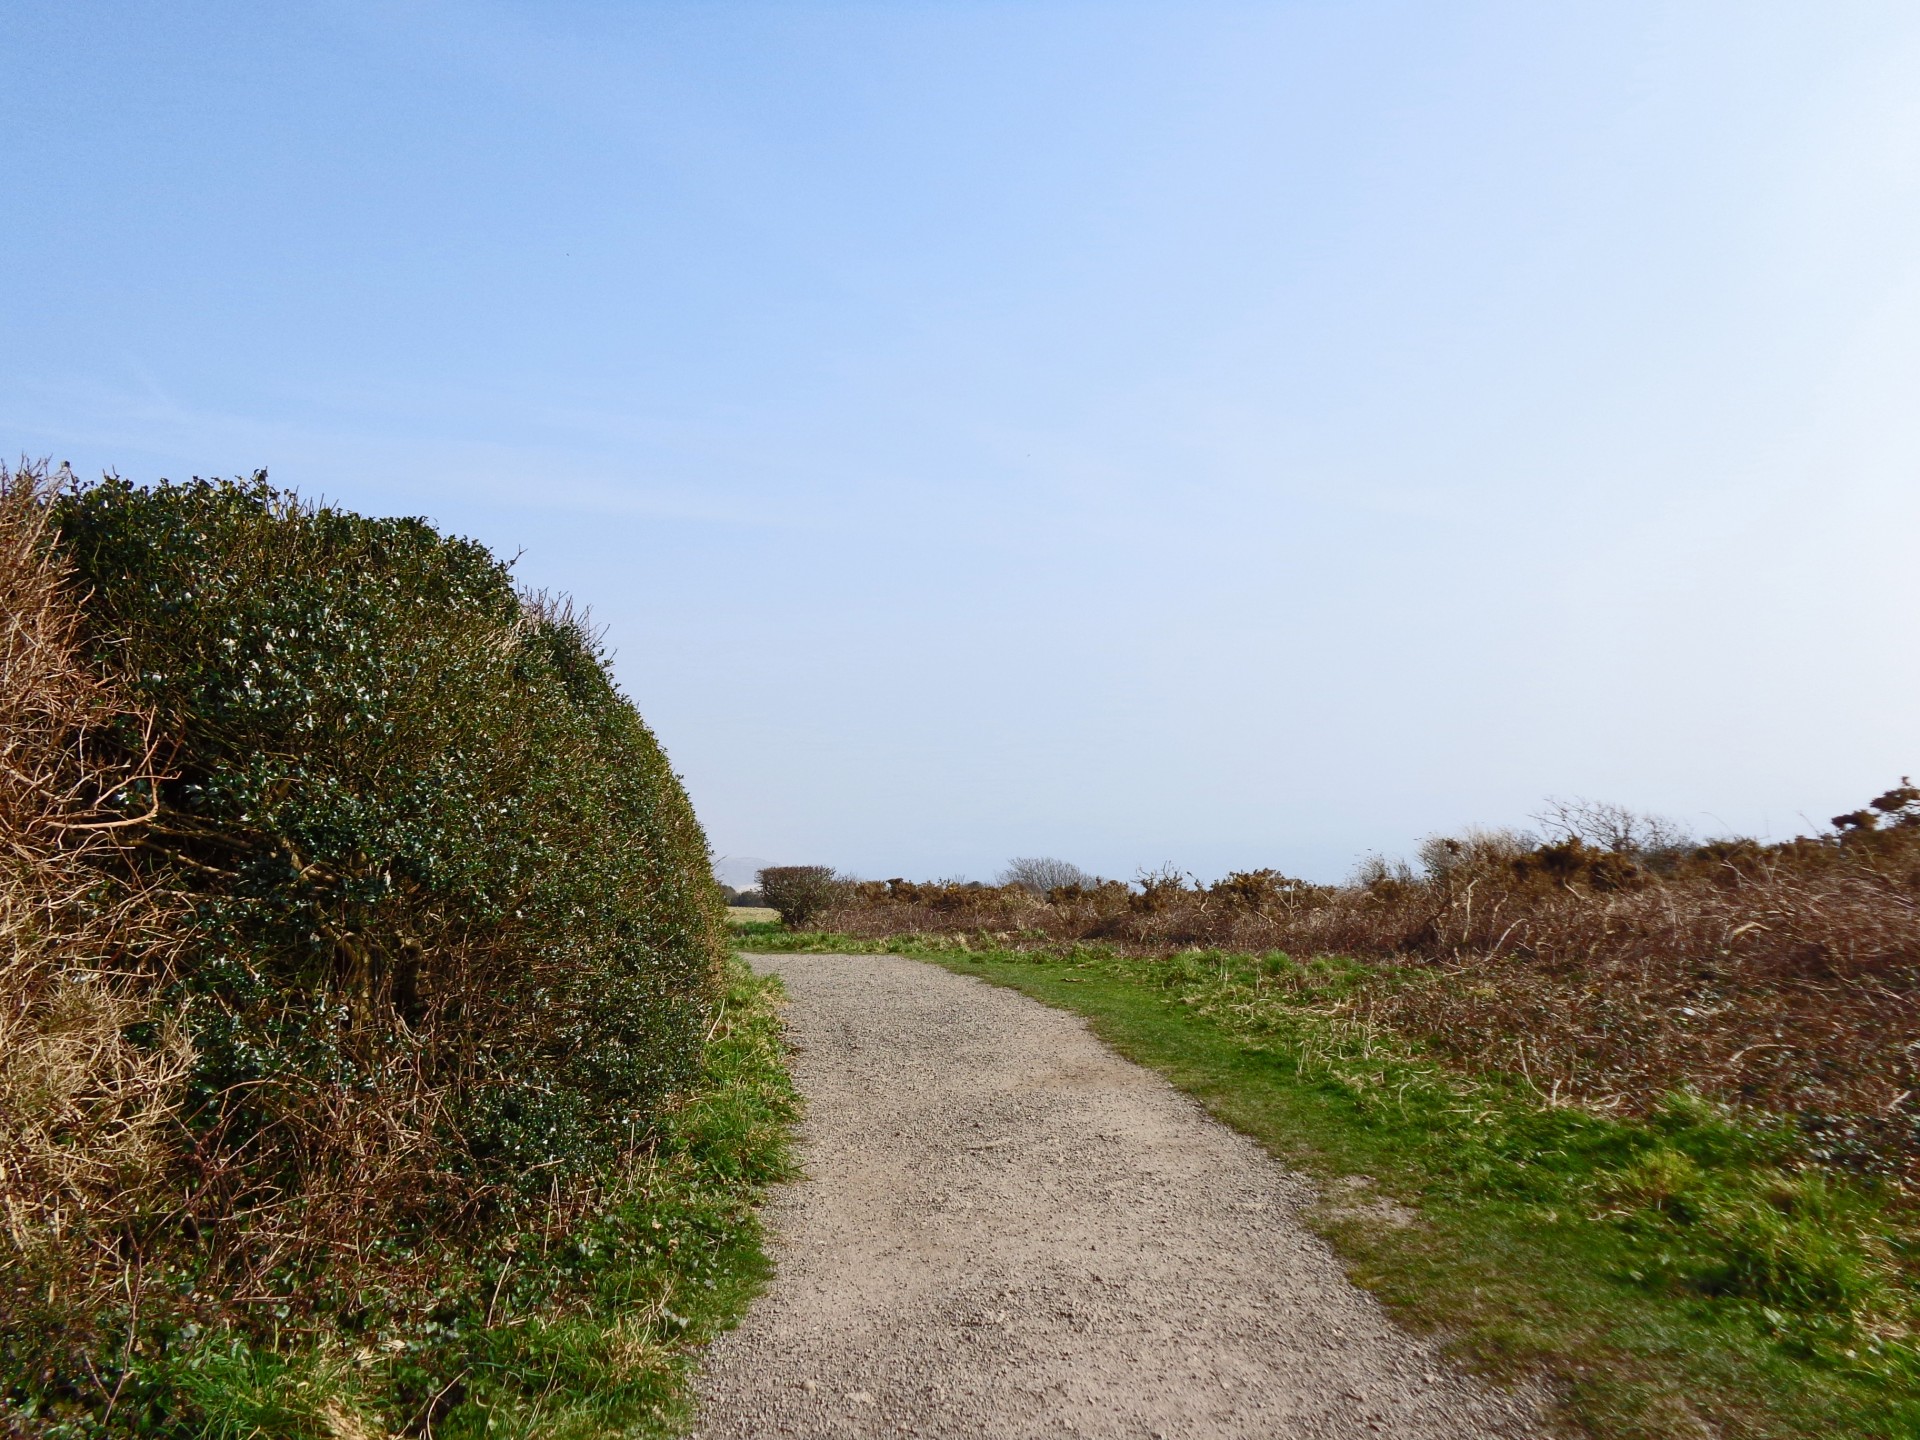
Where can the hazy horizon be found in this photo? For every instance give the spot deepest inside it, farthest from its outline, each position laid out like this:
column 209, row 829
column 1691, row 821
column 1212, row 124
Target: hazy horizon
column 1215, row 436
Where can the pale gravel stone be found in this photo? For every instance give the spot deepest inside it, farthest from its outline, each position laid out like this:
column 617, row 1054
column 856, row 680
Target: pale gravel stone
column 1006, row 1231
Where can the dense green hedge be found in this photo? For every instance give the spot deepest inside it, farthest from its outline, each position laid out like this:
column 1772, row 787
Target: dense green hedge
column 452, row 937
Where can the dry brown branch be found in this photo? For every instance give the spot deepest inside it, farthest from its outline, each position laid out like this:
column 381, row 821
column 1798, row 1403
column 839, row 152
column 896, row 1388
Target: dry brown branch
column 87, row 1113
column 1785, row 978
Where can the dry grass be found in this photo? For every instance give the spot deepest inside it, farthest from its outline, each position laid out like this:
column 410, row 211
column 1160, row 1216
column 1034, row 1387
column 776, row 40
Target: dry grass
column 1782, row 978
column 87, row 1111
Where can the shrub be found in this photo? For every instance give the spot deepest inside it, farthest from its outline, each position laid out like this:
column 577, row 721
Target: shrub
column 1038, row 875
column 1613, row 961
column 799, row 892
column 446, row 935
column 91, row 1074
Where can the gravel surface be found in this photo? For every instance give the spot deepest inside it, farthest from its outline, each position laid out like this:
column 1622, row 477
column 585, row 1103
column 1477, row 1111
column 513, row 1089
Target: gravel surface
column 1008, row 1231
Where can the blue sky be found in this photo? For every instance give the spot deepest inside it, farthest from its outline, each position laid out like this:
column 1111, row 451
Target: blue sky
column 1218, row 435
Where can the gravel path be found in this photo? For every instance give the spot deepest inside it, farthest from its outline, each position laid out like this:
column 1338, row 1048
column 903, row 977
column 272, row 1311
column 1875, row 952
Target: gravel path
column 1008, row 1231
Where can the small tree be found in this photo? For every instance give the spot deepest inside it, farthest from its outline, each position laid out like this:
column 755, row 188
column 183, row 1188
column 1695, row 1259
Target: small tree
column 799, row 892
column 1607, row 826
column 1039, row 874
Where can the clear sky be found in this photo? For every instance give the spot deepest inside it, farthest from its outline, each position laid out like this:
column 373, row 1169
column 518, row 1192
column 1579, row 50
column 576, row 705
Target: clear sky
column 1223, row 435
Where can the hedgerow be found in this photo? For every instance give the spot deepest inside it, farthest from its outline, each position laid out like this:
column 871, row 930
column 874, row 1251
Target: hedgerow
column 441, row 932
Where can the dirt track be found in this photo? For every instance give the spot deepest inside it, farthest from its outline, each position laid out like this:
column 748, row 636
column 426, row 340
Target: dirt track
column 1007, row 1231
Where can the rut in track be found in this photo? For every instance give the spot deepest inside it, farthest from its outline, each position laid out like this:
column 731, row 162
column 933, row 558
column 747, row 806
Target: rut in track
column 1008, row 1231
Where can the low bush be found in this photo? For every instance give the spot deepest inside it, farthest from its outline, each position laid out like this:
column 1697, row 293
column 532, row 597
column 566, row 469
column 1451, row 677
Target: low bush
column 799, row 892
column 405, row 927
column 1608, row 962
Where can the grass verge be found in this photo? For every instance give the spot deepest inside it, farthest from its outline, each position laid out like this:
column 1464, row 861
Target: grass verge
column 1683, row 1273
column 591, row 1338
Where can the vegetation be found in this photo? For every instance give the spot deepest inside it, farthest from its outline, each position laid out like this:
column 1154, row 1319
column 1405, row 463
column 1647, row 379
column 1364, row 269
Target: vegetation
column 799, row 892
column 361, row 950
column 1041, row 874
column 1610, row 960
column 1689, row 1270
column 1647, row 1101
column 534, row 1333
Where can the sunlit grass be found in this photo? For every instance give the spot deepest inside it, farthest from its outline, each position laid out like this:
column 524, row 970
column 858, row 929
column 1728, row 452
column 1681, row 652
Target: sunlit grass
column 1657, row 1273
column 592, row 1338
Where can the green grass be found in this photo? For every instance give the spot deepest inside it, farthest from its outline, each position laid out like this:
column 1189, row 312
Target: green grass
column 591, row 1338
column 1678, row 1274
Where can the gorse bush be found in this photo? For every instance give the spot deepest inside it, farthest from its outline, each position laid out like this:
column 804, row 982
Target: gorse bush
column 444, row 936
column 1611, row 961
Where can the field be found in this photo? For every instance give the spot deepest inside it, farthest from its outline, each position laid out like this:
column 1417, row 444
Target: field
column 1612, row 964
column 371, row 1060
column 1683, row 1268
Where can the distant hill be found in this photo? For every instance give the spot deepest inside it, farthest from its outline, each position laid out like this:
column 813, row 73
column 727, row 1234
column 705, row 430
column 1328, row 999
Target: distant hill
column 739, row 871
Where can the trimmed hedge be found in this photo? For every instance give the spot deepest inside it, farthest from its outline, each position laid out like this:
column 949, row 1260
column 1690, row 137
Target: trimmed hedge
column 451, row 934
